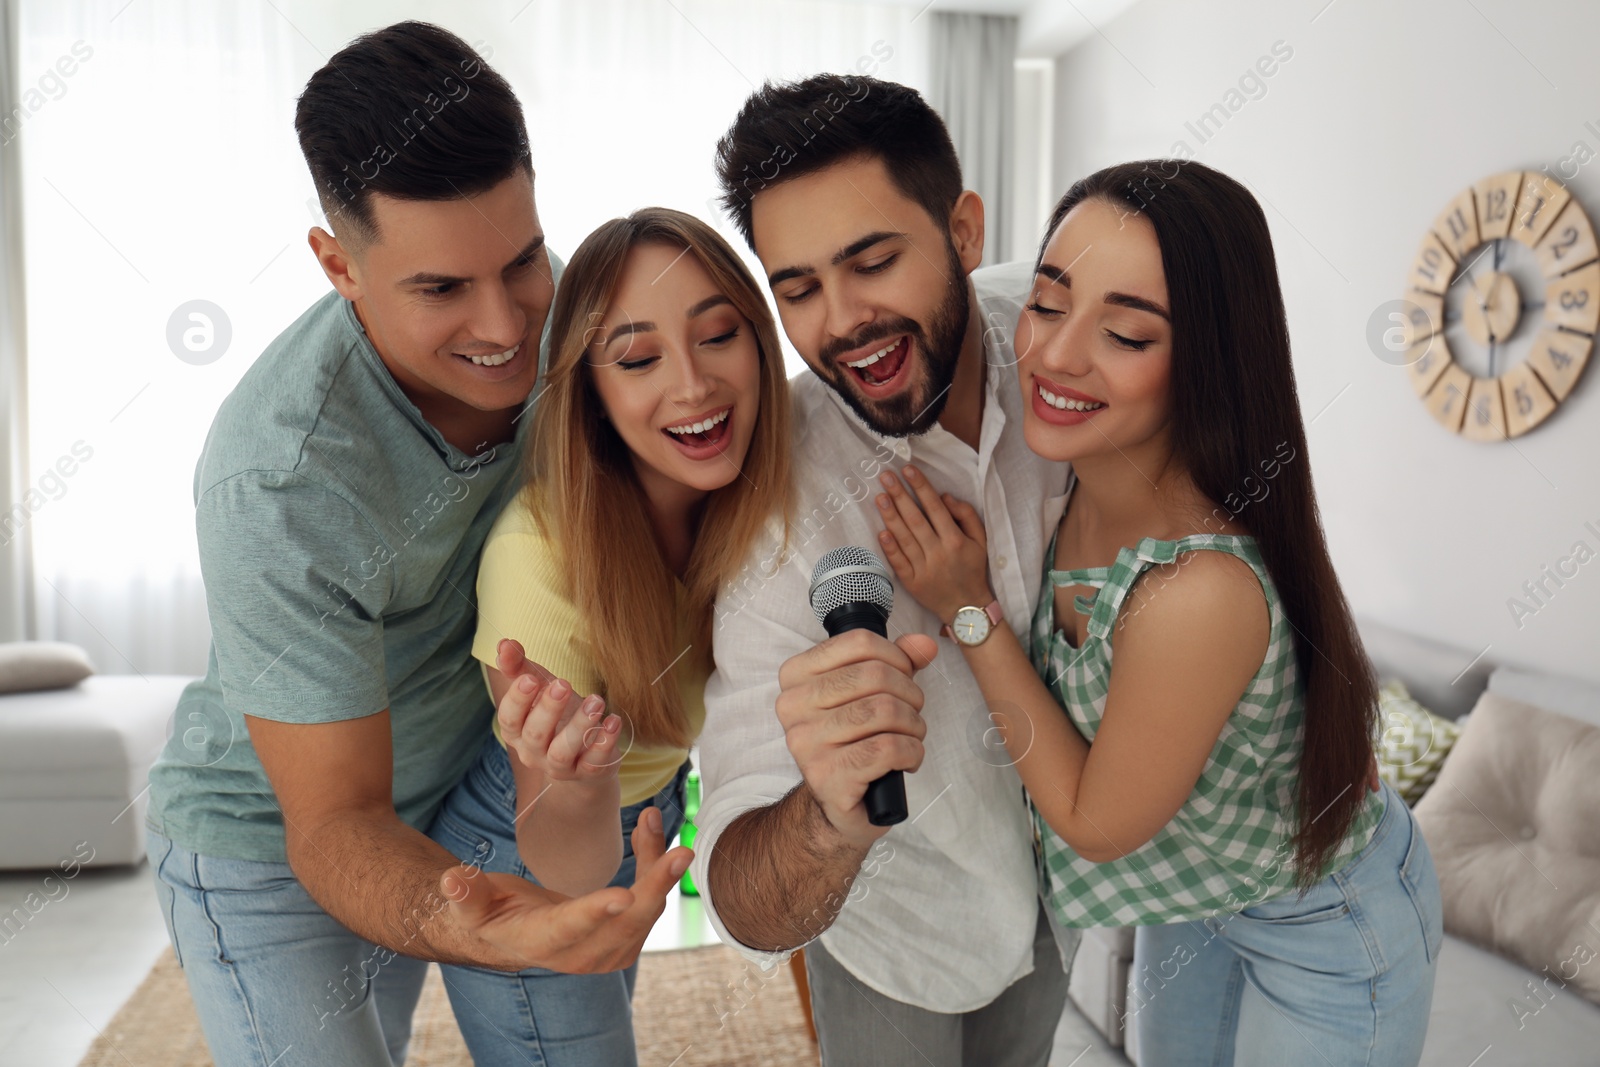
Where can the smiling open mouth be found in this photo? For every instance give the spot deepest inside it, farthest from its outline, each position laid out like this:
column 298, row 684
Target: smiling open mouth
column 884, row 365
column 1054, row 407
column 1066, row 403
column 702, row 436
column 493, row 359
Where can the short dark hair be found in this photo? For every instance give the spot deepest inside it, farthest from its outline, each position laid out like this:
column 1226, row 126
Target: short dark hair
column 412, row 112
column 789, row 129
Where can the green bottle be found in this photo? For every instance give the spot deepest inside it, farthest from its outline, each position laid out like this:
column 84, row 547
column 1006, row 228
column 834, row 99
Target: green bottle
column 691, row 807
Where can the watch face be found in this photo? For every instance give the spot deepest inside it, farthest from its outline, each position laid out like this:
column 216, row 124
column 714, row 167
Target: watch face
column 971, row 626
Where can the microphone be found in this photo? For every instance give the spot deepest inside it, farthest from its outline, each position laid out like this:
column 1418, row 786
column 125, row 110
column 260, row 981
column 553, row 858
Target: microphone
column 851, row 589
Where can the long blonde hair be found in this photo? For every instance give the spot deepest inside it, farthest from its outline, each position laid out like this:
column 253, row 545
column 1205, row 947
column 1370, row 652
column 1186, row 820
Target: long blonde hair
column 586, row 497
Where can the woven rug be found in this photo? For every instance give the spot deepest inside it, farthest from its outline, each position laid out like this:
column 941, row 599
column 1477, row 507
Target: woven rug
column 698, row 1007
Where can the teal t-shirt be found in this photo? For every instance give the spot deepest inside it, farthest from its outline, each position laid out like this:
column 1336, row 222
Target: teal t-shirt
column 339, row 539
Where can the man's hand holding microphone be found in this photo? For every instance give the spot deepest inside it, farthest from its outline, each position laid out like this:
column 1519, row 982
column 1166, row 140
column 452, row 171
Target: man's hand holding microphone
column 850, row 707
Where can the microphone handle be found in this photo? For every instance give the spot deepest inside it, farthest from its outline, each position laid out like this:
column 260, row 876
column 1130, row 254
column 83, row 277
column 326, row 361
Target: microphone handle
column 885, row 799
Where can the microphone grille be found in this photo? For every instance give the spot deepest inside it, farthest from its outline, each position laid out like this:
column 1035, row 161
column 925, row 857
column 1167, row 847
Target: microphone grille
column 850, row 575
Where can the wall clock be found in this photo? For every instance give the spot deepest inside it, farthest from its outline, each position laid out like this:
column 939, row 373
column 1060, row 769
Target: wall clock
column 1502, row 305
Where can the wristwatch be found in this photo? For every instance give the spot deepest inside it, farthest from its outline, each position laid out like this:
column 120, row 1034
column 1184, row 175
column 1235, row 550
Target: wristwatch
column 972, row 626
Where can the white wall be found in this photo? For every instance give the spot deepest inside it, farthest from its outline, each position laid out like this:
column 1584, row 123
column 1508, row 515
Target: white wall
column 1382, row 114
column 1033, row 187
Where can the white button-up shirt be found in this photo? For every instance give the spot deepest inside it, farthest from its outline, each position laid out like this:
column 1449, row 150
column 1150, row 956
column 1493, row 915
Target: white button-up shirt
column 944, row 911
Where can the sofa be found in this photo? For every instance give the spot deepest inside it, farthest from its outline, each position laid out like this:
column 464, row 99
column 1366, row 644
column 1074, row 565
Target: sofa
column 1488, row 1008
column 74, row 769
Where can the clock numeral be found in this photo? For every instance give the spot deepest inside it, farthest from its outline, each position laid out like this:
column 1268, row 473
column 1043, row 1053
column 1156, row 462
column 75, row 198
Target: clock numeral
column 1568, row 238
column 1496, row 197
column 1569, row 243
column 1530, row 402
column 1488, row 421
column 1429, row 359
column 1457, row 225
column 1421, row 317
column 1542, row 201
column 1432, row 260
column 1570, row 301
column 1446, row 401
column 1434, row 265
column 1495, row 208
column 1558, row 357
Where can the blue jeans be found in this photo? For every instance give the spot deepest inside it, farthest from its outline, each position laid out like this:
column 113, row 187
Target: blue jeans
column 1341, row 976
column 537, row 1017
column 275, row 979
column 278, row 982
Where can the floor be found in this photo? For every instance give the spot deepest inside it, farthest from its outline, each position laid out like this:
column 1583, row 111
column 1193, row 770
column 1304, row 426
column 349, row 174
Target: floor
column 64, row 974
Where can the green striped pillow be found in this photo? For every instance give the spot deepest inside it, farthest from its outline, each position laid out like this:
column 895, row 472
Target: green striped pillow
column 1412, row 742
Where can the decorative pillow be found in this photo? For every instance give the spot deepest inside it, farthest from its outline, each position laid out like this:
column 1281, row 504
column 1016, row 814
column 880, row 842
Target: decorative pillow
column 1512, row 826
column 28, row 665
column 1413, row 744
column 1569, row 696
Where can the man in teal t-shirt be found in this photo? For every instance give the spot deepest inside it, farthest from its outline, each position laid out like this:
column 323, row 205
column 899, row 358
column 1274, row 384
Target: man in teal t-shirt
column 343, row 497
column 339, row 532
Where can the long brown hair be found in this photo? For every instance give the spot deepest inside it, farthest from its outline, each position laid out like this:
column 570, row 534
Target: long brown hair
column 1234, row 405
column 583, row 490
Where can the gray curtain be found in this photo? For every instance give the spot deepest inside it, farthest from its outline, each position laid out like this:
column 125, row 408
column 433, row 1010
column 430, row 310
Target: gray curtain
column 16, row 582
column 972, row 71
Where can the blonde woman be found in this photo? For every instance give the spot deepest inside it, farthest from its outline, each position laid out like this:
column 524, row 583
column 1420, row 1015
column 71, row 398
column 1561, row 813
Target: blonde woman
column 660, row 448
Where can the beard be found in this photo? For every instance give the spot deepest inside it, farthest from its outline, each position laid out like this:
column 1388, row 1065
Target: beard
column 914, row 409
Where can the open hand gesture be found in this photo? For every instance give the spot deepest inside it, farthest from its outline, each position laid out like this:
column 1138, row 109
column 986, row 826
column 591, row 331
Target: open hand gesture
column 550, row 727
column 520, row 924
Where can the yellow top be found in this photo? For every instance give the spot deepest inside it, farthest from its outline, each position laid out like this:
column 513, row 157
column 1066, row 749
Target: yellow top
column 521, row 596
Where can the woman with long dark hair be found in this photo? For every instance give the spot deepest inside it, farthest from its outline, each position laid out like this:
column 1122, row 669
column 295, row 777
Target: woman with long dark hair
column 1194, row 724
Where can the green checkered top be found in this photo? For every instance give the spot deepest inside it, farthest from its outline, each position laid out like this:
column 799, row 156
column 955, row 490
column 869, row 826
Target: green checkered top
column 1230, row 845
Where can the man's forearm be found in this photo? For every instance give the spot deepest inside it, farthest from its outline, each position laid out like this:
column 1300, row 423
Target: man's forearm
column 380, row 878
column 779, row 874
